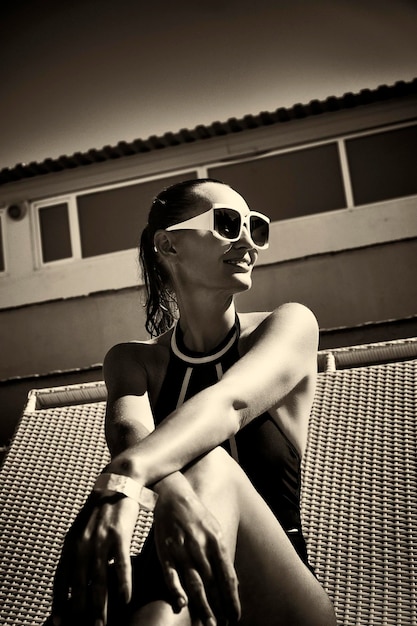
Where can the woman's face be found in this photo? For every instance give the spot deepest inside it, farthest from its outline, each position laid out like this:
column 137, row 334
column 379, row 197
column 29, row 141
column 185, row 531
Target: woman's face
column 202, row 260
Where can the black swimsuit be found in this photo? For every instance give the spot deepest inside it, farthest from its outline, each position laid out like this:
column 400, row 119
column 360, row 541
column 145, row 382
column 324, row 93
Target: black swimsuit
column 263, row 451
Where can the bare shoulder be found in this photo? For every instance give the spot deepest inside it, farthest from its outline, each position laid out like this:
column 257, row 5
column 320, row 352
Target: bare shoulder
column 140, row 352
column 134, row 363
column 291, row 322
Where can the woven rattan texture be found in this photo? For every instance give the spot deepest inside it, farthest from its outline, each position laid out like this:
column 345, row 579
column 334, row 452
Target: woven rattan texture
column 54, row 459
column 359, row 493
column 359, row 496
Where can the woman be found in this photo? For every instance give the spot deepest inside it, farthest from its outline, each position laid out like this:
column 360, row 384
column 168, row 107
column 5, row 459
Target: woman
column 212, row 415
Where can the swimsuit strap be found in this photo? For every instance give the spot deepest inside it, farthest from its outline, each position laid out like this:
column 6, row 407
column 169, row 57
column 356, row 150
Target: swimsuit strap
column 195, row 358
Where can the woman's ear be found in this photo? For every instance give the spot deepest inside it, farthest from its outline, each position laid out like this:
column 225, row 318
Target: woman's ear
column 163, row 243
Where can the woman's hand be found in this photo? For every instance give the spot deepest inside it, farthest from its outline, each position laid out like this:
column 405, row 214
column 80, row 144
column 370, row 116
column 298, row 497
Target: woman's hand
column 101, row 534
column 197, row 566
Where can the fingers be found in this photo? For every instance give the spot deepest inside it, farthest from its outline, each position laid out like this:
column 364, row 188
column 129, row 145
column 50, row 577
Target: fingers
column 218, row 576
column 191, row 591
column 108, row 546
column 172, row 580
column 98, row 588
column 195, row 572
column 123, row 568
column 80, row 586
column 169, row 550
column 198, row 602
column 70, row 581
column 195, row 560
column 226, row 579
column 201, row 559
column 81, row 579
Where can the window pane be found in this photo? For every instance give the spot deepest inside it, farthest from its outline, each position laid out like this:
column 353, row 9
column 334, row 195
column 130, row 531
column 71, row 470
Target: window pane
column 383, row 166
column 113, row 220
column 2, row 264
column 55, row 232
column 289, row 185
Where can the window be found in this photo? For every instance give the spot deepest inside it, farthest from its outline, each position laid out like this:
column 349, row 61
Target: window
column 293, row 184
column 55, row 232
column 88, row 239
column 113, row 219
column 383, row 165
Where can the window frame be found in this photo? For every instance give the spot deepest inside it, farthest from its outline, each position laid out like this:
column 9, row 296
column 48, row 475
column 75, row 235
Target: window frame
column 3, row 232
column 295, row 238
column 299, row 148
column 202, row 171
column 119, row 185
column 36, row 207
column 380, row 131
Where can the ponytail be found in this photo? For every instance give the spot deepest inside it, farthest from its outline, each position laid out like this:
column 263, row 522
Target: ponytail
column 160, row 305
column 168, row 208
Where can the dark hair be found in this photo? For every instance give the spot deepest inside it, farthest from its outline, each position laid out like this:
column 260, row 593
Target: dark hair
column 168, row 207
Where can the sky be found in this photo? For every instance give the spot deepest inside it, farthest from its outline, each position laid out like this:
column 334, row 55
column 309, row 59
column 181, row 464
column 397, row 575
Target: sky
column 83, row 74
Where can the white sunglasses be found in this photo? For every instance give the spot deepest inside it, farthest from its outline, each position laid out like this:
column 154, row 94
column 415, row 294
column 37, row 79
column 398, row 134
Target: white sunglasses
column 227, row 224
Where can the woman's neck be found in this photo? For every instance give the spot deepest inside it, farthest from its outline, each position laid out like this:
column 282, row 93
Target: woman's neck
column 204, row 325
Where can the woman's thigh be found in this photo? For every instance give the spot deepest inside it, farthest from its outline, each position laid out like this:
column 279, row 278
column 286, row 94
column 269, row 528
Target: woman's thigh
column 158, row 613
column 275, row 586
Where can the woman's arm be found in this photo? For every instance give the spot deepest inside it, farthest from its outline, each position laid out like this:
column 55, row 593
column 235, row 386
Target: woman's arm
column 104, row 528
column 280, row 354
column 179, row 511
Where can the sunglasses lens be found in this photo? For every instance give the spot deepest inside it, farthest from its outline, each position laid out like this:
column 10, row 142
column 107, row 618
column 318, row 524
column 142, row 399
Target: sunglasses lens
column 227, row 223
column 259, row 229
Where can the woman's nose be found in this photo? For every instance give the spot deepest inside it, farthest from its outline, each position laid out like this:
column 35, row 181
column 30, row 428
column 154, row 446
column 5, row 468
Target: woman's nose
column 245, row 238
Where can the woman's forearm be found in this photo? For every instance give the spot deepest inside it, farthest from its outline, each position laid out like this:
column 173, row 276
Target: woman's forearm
column 200, row 425
column 255, row 383
column 122, row 437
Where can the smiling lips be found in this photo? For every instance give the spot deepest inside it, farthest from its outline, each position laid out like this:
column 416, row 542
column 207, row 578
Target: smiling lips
column 244, row 263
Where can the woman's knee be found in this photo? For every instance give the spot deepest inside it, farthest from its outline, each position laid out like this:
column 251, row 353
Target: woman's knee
column 214, row 473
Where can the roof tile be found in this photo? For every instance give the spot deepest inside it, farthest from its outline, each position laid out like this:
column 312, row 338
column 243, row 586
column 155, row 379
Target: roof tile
column 203, row 132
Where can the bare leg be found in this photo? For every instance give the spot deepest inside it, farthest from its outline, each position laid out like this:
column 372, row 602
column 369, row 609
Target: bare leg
column 276, row 588
column 160, row 613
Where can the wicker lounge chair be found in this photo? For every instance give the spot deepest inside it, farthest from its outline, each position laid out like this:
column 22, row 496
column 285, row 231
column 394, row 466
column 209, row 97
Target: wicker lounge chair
column 359, row 497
